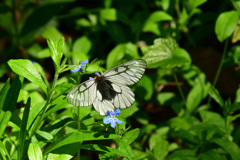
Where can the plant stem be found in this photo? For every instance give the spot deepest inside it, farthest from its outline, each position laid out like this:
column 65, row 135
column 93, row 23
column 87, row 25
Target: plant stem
column 219, row 68
column 79, row 127
column 48, row 102
column 179, row 88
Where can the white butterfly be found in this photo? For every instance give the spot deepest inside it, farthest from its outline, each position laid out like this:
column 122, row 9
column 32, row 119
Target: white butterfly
column 109, row 90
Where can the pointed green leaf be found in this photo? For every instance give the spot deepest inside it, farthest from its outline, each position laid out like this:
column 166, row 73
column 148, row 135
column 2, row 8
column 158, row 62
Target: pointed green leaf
column 194, row 97
column 23, row 129
column 34, row 152
column 125, row 147
column 28, row 70
column 79, row 137
column 9, row 104
column 4, row 151
column 229, row 147
column 3, row 93
column 55, row 49
column 102, row 148
column 52, row 33
column 130, row 136
column 213, row 92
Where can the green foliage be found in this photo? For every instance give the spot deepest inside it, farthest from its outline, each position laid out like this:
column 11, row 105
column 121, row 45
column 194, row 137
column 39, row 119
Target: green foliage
column 181, row 111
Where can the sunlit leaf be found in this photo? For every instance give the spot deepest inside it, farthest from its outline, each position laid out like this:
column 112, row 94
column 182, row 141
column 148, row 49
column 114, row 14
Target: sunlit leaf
column 27, row 69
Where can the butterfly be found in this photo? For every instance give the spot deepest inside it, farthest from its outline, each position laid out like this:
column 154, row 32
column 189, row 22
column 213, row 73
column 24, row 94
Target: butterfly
column 109, row 90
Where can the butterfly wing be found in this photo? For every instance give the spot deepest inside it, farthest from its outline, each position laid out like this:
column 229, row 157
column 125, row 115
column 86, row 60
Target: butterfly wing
column 83, row 94
column 127, row 73
column 116, row 81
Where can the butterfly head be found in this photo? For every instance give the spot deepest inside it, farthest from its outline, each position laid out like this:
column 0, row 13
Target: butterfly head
column 97, row 75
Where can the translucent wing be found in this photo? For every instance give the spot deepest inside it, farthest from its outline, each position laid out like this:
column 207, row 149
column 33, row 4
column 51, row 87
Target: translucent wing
column 83, row 94
column 121, row 97
column 110, row 90
column 127, row 73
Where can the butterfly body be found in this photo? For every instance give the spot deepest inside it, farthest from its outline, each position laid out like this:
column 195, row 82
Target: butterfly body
column 105, row 88
column 109, row 90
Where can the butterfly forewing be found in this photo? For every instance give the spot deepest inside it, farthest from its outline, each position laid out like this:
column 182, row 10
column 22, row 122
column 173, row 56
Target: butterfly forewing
column 127, row 73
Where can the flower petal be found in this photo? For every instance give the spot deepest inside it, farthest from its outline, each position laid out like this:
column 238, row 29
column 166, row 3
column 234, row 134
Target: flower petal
column 90, row 77
column 98, row 74
column 117, row 112
column 107, row 120
column 108, row 113
column 118, row 121
column 113, row 124
column 75, row 70
column 83, row 63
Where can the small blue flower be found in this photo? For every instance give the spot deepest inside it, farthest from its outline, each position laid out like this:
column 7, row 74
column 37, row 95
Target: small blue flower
column 80, row 66
column 32, row 61
column 111, row 118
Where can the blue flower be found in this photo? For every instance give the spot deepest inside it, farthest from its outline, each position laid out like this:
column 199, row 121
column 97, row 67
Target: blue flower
column 80, row 66
column 111, row 118
column 32, row 61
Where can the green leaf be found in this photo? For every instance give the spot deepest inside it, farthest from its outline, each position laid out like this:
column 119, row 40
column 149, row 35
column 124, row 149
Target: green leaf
column 131, row 135
column 229, row 147
column 129, row 111
column 52, row 33
column 160, row 149
column 213, row 92
column 213, row 118
column 164, row 53
column 82, row 45
column 183, row 154
column 211, row 154
column 158, row 16
column 102, row 148
column 34, row 152
column 109, row 14
column 151, row 24
column 145, row 88
column 226, row 24
column 115, row 56
column 195, row 3
column 9, row 104
column 55, row 49
column 125, row 147
column 4, row 151
column 79, row 137
column 194, row 97
column 152, row 27
column 23, row 129
column 27, row 69
column 52, row 156
column 3, row 93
